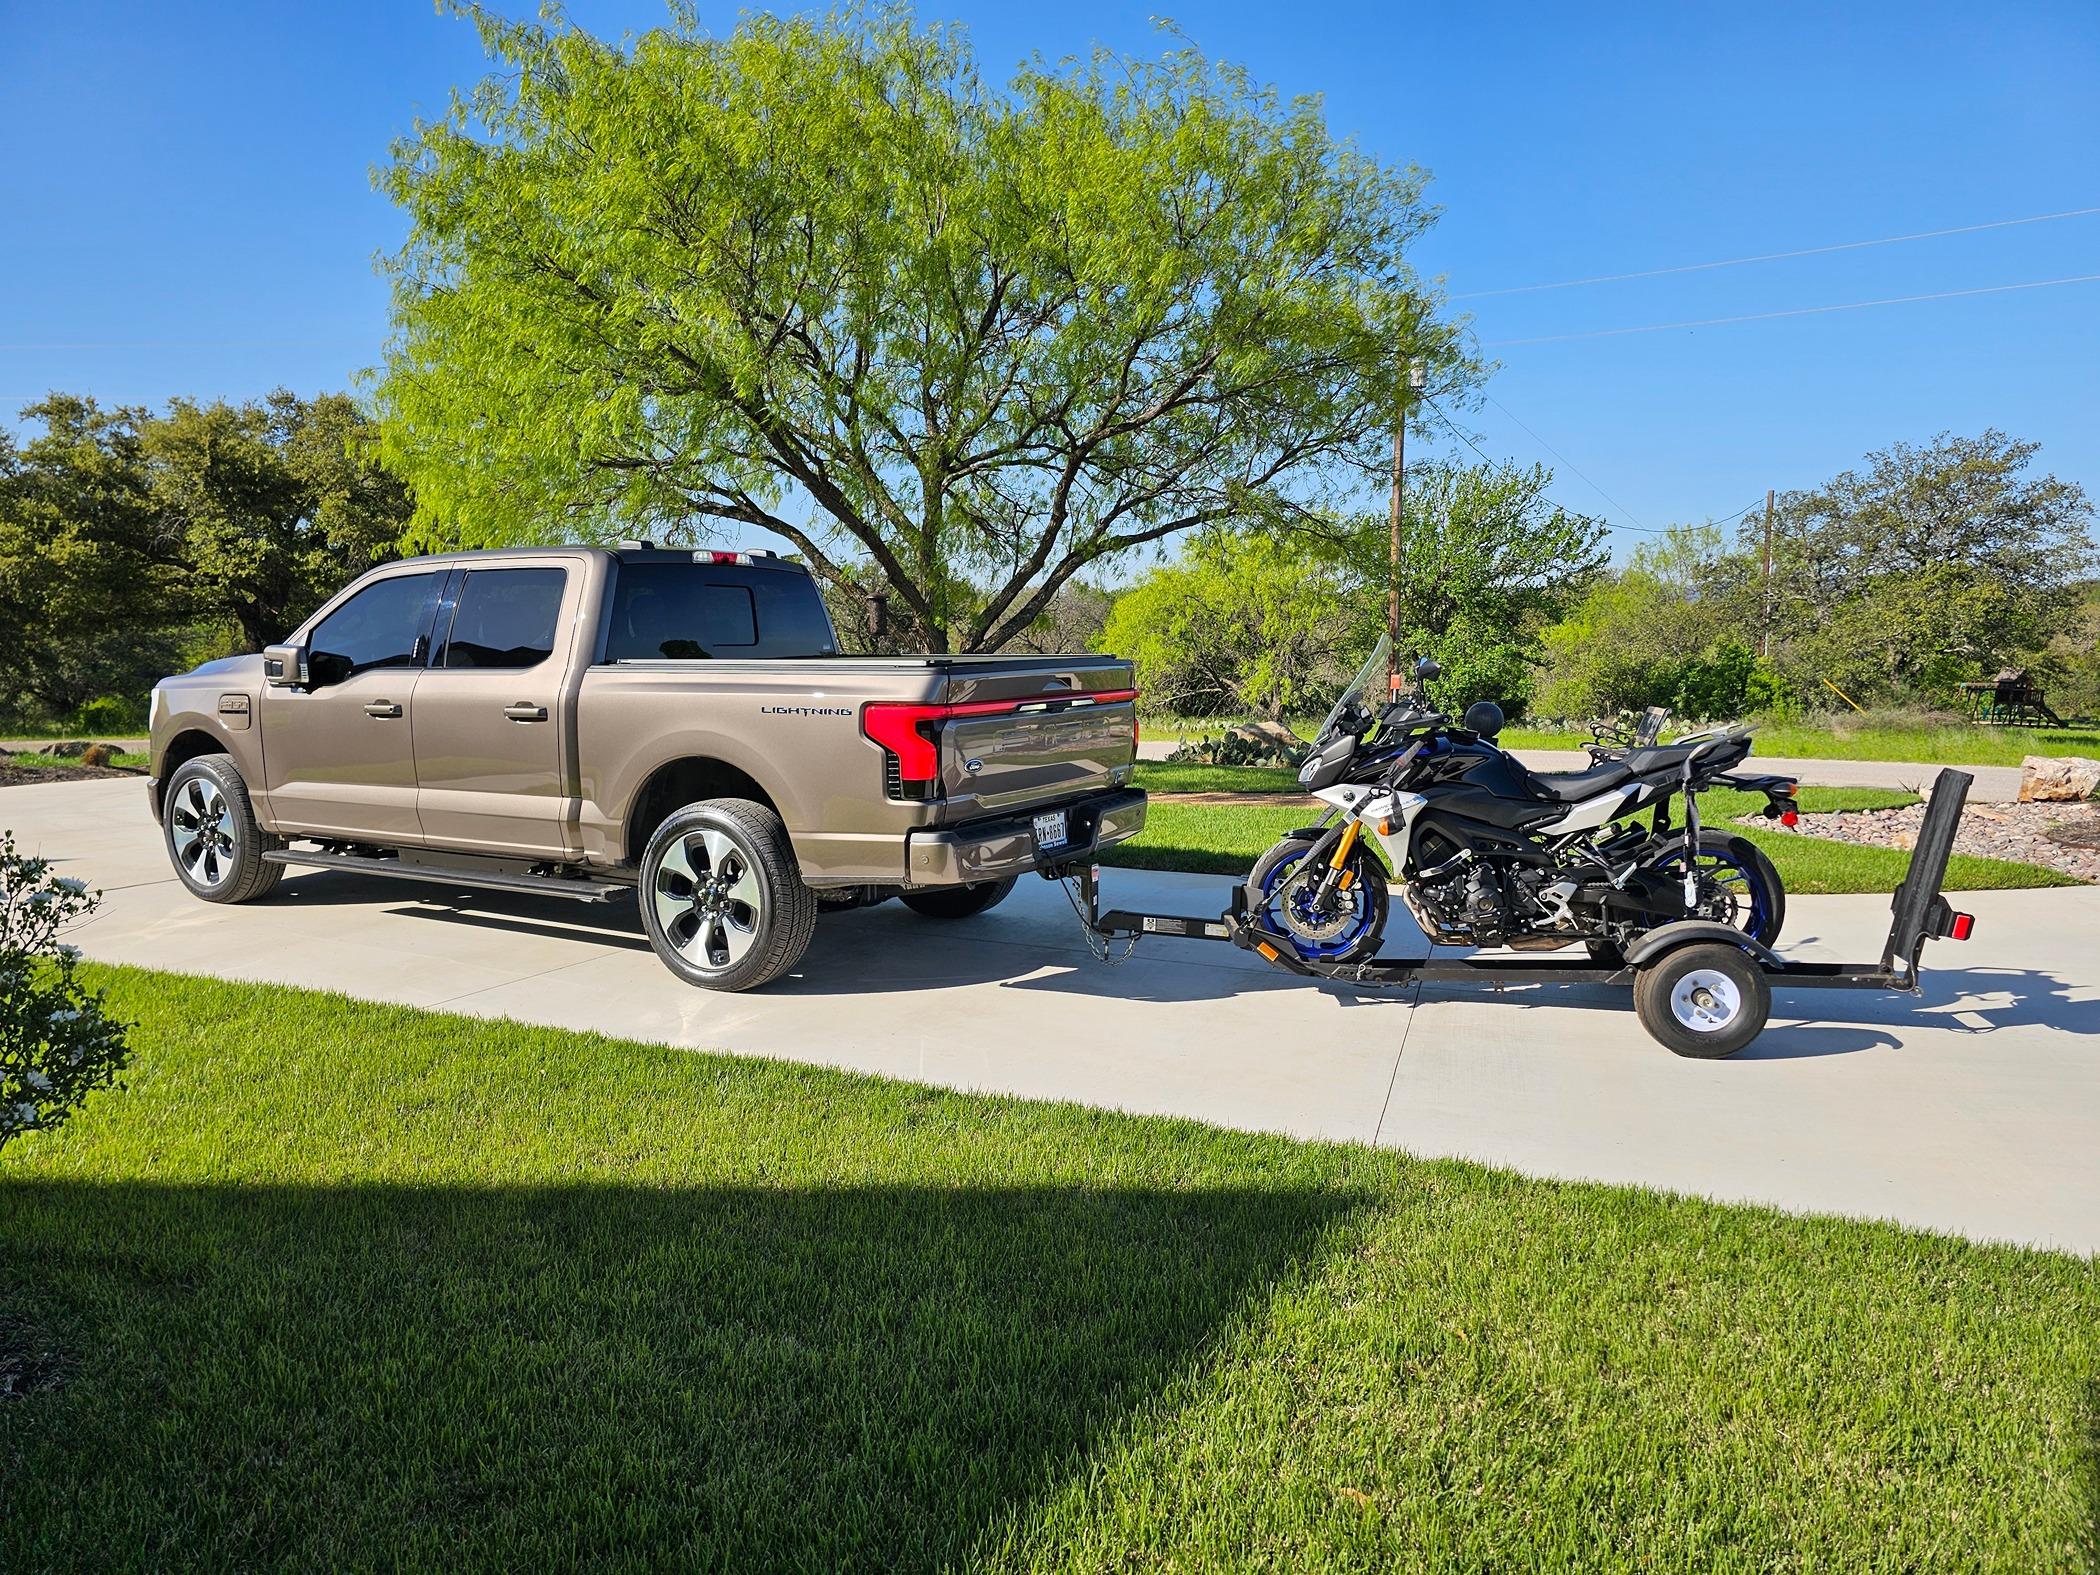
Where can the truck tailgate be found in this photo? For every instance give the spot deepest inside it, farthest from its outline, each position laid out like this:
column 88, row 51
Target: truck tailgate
column 1048, row 749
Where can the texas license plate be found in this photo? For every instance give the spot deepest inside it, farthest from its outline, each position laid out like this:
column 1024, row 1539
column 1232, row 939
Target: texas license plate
column 1050, row 830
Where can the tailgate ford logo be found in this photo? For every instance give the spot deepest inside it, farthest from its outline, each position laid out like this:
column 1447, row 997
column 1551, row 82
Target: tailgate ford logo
column 973, row 766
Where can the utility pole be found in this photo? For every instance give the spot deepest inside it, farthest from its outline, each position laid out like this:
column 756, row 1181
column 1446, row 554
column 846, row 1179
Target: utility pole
column 1416, row 377
column 1764, row 589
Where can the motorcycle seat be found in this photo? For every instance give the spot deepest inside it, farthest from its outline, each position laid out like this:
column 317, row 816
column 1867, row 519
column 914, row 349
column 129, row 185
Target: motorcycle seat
column 1572, row 787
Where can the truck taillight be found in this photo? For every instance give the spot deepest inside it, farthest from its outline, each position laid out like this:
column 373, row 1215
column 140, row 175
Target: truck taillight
column 909, row 729
column 906, row 730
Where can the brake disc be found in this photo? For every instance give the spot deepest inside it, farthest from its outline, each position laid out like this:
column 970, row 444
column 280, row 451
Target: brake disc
column 1312, row 927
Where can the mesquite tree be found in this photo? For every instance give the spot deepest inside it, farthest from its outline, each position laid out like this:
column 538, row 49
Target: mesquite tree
column 817, row 276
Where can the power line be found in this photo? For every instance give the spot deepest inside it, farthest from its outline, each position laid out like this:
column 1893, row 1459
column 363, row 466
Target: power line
column 1797, row 311
column 1557, row 454
column 1806, row 251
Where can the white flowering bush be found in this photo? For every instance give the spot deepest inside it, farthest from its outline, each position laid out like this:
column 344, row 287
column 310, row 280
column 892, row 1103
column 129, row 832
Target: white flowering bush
column 57, row 1045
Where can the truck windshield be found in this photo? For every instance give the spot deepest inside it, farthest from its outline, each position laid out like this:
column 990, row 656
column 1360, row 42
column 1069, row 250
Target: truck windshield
column 688, row 611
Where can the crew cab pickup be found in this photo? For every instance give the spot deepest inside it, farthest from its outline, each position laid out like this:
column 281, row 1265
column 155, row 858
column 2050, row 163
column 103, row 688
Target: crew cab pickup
column 674, row 725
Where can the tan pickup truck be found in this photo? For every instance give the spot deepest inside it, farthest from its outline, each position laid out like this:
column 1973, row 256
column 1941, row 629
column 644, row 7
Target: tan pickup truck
column 673, row 725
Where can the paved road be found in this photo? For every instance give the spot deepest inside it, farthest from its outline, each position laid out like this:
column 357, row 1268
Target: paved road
column 1994, row 784
column 1975, row 1111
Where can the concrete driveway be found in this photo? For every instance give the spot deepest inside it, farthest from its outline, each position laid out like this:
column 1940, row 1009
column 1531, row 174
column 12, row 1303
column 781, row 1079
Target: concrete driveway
column 1975, row 1110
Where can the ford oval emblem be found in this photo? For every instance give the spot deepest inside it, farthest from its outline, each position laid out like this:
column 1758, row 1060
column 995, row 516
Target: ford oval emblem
column 973, row 766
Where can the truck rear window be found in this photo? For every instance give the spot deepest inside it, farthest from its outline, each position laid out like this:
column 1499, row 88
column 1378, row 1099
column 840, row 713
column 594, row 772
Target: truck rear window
column 686, row 611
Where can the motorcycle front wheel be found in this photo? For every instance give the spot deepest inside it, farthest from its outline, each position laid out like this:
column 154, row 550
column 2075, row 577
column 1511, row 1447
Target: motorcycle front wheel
column 1352, row 925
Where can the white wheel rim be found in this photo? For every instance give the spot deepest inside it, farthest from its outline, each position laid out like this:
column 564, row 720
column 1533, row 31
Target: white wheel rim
column 202, row 833
column 1705, row 1000
column 709, row 901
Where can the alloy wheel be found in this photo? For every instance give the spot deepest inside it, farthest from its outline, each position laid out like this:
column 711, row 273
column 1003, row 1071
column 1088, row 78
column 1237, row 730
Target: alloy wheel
column 202, row 829
column 709, row 899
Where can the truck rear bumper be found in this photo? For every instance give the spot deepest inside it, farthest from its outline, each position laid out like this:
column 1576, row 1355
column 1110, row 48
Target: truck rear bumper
column 993, row 849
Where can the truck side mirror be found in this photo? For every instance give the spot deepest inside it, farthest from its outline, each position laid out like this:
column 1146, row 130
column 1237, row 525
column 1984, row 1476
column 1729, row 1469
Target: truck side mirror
column 284, row 666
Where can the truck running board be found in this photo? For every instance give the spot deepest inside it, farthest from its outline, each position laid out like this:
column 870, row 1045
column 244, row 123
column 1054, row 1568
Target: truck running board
column 574, row 888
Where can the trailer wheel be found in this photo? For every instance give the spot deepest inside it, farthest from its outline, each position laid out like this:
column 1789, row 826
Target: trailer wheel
column 1705, row 1001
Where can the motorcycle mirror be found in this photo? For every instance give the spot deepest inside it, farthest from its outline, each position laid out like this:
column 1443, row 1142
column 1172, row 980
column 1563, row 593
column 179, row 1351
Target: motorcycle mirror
column 1426, row 670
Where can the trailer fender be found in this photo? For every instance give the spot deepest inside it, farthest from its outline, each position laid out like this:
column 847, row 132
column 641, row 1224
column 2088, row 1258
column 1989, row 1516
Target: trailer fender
column 1686, row 932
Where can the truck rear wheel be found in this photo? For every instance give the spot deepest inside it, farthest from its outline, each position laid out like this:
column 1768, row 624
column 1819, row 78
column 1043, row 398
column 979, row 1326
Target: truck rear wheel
column 722, row 895
column 959, row 902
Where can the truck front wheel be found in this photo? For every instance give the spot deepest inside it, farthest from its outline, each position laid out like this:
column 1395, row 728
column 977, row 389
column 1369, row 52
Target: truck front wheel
column 959, row 902
column 722, row 896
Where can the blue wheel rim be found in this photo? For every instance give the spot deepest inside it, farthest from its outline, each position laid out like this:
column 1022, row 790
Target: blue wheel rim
column 1308, row 950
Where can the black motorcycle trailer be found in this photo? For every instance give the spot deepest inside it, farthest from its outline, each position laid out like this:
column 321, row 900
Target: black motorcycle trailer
column 1700, row 988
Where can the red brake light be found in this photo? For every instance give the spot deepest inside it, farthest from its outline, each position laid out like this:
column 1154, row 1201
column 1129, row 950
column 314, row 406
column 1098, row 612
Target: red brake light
column 906, row 728
column 1964, row 925
column 1789, row 817
column 906, row 731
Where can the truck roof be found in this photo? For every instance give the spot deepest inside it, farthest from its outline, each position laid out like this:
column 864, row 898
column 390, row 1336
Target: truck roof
column 625, row 552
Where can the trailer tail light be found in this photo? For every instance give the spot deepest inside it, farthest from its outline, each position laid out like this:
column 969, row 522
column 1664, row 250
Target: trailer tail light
column 910, row 730
column 1962, row 928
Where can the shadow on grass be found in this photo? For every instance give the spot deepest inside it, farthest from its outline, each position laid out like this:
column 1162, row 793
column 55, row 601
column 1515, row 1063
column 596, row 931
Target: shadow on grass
column 717, row 1378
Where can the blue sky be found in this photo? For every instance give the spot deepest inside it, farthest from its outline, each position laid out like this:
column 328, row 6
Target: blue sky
column 189, row 209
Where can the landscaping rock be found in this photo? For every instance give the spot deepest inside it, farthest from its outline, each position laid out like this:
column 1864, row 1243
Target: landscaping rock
column 69, row 749
column 2024, row 833
column 2058, row 779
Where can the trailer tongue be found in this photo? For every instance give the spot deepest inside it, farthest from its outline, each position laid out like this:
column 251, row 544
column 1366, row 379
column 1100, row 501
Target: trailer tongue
column 1701, row 988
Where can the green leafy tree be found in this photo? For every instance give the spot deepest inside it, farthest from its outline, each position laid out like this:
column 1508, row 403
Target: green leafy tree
column 1244, row 622
column 819, row 277
column 271, row 505
column 1925, row 566
column 1486, row 560
column 1672, row 628
column 88, row 570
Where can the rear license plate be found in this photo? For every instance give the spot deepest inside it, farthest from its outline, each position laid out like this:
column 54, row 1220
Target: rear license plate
column 1050, row 831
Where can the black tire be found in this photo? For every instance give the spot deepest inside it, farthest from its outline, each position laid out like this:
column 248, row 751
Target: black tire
column 1367, row 874
column 1750, row 858
column 208, row 825
column 722, row 895
column 960, row 902
column 1704, row 1001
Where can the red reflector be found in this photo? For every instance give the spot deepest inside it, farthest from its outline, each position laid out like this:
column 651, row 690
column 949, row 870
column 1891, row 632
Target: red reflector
column 1964, row 925
column 1789, row 817
column 906, row 728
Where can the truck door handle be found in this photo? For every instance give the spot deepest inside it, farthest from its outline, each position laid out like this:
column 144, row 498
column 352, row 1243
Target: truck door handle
column 382, row 708
column 525, row 712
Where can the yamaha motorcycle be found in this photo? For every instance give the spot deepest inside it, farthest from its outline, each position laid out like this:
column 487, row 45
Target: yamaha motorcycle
column 1489, row 854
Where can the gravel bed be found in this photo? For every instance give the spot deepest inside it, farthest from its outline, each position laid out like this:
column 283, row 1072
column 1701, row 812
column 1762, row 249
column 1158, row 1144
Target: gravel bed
column 1993, row 831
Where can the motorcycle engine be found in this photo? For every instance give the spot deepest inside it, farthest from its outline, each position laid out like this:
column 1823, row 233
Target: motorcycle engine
column 1470, row 905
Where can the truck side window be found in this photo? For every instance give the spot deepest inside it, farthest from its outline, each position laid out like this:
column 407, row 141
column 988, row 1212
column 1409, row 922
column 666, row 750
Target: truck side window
column 686, row 611
column 378, row 627
column 506, row 618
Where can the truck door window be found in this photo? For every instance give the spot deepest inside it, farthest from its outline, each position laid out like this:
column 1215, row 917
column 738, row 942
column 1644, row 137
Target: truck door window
column 686, row 611
column 381, row 626
column 506, row 618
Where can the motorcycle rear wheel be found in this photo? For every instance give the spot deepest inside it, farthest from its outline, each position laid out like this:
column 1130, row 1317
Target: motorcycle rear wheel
column 1352, row 933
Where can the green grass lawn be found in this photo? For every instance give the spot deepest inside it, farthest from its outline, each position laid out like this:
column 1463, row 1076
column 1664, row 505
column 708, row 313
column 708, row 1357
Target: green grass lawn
column 136, row 761
column 344, row 1286
column 1226, row 839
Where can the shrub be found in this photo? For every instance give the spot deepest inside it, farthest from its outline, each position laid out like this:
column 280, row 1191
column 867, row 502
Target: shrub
column 57, row 1045
column 111, row 714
